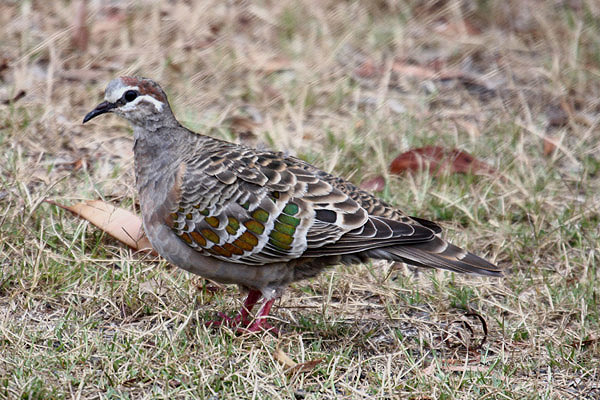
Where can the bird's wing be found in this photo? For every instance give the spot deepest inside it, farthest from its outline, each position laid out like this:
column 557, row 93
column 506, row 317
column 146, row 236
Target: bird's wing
column 418, row 249
column 253, row 207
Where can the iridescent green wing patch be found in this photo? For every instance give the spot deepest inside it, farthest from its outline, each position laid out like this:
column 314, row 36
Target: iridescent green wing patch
column 212, row 221
column 233, row 226
column 254, row 227
column 260, row 215
column 284, row 228
column 210, row 235
column 286, row 219
column 281, row 240
column 291, row 209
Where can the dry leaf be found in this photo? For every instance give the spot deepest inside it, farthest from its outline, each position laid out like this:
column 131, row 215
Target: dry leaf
column 307, row 366
column 376, row 184
column 81, row 34
column 294, row 367
column 284, row 358
column 549, row 145
column 439, row 160
column 119, row 223
column 79, row 163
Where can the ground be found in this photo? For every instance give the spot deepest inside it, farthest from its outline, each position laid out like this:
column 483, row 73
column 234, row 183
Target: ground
column 345, row 85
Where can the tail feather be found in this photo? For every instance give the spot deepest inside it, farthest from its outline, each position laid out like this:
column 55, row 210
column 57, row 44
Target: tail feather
column 438, row 253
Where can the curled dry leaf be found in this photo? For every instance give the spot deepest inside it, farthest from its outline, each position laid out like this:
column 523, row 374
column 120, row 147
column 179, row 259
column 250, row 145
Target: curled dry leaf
column 307, row 366
column 438, row 161
column 464, row 333
column 376, row 184
column 294, row 367
column 119, row 223
column 284, row 358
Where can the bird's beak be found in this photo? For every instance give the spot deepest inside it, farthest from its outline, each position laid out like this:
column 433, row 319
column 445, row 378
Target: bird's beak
column 101, row 108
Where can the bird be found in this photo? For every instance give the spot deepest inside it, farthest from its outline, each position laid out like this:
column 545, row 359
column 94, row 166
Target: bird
column 257, row 218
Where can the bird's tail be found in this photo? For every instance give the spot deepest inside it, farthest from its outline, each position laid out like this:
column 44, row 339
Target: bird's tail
column 438, row 253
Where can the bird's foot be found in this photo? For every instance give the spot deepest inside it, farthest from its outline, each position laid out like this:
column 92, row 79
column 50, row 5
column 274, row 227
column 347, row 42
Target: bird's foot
column 242, row 324
column 259, row 325
column 225, row 320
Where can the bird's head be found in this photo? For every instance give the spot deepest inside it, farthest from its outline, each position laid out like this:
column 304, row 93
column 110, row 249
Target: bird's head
column 139, row 100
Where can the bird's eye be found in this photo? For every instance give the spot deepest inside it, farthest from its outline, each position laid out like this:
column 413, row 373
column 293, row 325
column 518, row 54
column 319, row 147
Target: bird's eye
column 130, row 95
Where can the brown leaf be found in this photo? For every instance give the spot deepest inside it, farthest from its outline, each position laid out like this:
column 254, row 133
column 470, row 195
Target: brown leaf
column 376, row 184
column 307, row 366
column 438, row 161
column 81, row 33
column 80, row 163
column 549, row 145
column 119, row 223
column 294, row 367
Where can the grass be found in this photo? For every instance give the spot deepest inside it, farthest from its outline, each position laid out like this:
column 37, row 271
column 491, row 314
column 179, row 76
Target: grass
column 83, row 317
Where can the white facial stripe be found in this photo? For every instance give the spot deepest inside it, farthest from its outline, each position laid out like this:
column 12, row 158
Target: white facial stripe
column 144, row 97
column 112, row 97
column 131, row 105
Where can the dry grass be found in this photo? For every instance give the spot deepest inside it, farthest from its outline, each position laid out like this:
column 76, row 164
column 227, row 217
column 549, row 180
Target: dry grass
column 330, row 81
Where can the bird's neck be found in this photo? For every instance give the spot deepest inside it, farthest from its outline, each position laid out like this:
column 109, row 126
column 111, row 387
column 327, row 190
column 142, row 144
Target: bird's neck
column 156, row 153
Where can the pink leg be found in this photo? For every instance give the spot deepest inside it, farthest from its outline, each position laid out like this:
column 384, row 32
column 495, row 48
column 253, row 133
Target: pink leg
column 260, row 322
column 242, row 317
column 253, row 297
